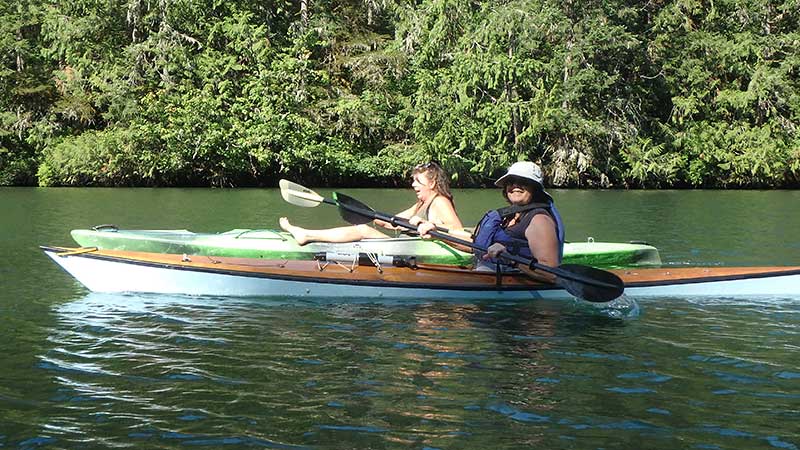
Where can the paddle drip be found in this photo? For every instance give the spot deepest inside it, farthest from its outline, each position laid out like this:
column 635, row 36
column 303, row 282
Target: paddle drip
column 622, row 307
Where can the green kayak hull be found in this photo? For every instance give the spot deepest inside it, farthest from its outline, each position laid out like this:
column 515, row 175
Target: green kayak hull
column 275, row 244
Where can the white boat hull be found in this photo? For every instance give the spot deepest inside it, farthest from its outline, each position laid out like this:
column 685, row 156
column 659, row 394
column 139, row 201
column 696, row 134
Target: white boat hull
column 785, row 285
column 114, row 271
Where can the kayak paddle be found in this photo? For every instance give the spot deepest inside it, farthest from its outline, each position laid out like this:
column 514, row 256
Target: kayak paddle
column 302, row 196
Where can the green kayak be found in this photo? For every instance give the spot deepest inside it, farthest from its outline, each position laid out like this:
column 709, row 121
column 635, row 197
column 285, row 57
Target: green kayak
column 276, row 244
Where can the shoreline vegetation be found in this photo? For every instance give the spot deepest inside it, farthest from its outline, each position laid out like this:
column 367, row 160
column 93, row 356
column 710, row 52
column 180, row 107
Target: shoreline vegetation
column 240, row 93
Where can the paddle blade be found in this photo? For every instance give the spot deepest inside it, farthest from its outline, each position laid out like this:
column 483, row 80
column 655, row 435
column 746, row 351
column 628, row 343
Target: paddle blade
column 299, row 195
column 590, row 284
column 352, row 210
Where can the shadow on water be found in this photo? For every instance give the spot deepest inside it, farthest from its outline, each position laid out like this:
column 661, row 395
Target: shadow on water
column 622, row 308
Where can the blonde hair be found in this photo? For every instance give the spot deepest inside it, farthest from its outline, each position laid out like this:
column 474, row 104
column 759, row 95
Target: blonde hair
column 434, row 172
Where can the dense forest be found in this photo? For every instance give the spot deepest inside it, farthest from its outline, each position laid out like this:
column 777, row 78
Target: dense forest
column 602, row 93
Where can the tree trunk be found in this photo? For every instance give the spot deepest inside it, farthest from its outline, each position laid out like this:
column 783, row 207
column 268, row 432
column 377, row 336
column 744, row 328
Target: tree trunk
column 511, row 95
column 304, row 13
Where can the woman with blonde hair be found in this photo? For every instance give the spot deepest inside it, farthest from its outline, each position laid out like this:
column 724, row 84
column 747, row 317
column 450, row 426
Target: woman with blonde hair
column 434, row 204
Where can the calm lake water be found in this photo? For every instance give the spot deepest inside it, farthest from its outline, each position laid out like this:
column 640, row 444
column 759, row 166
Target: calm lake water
column 84, row 370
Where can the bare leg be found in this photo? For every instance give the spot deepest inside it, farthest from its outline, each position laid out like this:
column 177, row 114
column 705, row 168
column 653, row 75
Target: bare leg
column 341, row 234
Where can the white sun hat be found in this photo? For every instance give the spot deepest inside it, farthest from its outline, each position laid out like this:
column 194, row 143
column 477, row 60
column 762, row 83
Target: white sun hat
column 523, row 169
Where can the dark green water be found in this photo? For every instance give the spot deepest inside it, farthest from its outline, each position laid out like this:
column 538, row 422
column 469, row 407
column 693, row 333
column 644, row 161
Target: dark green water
column 82, row 370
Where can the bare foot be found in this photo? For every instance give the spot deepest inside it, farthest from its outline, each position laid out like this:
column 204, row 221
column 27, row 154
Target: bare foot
column 298, row 233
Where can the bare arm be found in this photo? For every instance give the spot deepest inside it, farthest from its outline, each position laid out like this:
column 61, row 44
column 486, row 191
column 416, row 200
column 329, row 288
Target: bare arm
column 543, row 242
column 405, row 214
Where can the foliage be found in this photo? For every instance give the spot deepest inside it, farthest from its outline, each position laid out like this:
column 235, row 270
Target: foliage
column 609, row 93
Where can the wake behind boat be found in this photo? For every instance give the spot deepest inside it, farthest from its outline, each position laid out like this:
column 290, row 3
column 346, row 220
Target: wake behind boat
column 125, row 271
column 276, row 244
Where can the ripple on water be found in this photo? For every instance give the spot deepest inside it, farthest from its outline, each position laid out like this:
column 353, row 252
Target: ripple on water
column 430, row 374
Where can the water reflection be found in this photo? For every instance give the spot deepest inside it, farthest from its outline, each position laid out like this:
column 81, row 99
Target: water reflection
column 197, row 369
column 169, row 371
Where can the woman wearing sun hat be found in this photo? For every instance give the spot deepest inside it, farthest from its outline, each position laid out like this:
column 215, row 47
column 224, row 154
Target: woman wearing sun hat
column 530, row 226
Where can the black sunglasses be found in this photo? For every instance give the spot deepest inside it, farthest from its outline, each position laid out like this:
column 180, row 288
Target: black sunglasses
column 428, row 165
column 519, row 181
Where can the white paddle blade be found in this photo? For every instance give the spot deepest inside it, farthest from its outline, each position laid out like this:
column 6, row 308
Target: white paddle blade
column 299, row 195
